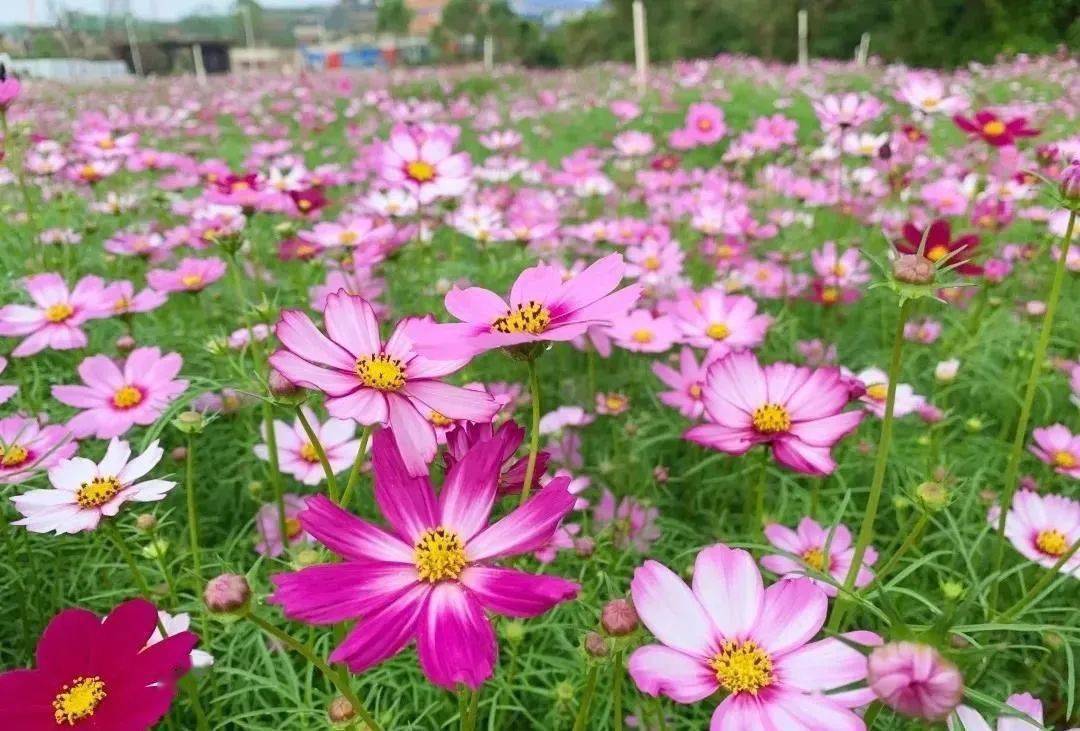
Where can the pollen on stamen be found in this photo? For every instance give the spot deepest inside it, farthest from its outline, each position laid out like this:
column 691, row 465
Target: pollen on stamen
column 771, row 419
column 439, row 555
column 381, row 372
column 529, row 317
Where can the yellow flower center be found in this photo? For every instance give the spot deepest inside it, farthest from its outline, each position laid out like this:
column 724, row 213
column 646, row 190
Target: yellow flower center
column 78, row 700
column 293, row 528
column 530, row 317
column 742, row 667
column 303, row 204
column 642, row 336
column 13, row 456
column 615, row 402
column 348, row 238
column 420, row 171
column 839, row 269
column 704, row 124
column 1064, row 459
column 723, row 251
column 59, row 312
column 107, row 143
column 381, row 372
column 308, row 453
column 97, row 492
column 878, row 391
column 771, row 419
column 815, row 559
column 127, row 397
column 695, row 390
column 439, row 554
column 1052, row 542
column 930, row 102
column 937, row 253
column 88, row 172
column 830, row 295
column 438, row 419
column 993, row 128
column 191, row 280
column 652, row 263
column 121, row 305
column 718, row 331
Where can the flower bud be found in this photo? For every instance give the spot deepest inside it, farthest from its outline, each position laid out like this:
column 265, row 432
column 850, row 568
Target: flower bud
column 619, row 617
column 595, row 644
column 227, row 594
column 1070, row 183
column 124, row 343
column 565, row 692
column 308, row 557
column 913, row 269
column 660, row 474
column 584, row 547
column 190, row 422
column 513, row 631
column 178, row 454
column 945, row 371
column 340, row 711
column 933, row 495
column 952, row 590
column 146, row 522
column 915, row 680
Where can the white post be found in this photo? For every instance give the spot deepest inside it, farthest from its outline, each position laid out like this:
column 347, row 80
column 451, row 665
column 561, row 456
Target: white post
column 136, row 58
column 249, row 31
column 200, row 68
column 804, row 32
column 489, row 53
column 641, row 47
column 864, row 49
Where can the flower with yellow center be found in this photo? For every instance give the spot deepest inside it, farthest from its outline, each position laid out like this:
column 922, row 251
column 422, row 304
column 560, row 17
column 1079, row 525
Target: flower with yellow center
column 1064, row 460
column 839, row 269
column 78, row 700
column 1052, row 542
column 771, row 419
column 718, row 331
column 127, row 397
column 381, row 372
column 652, row 263
column 59, row 312
column 814, row 558
column 308, row 453
column 439, row 555
column 529, row 317
column 89, row 172
column 704, row 124
column 420, row 171
column 13, row 455
column 830, row 295
column 293, row 528
column 937, row 253
column 878, row 391
column 347, row 238
column 121, row 305
column 694, row 390
column 930, row 103
column 994, row 128
column 191, row 281
column 642, row 336
column 97, row 492
column 742, row 667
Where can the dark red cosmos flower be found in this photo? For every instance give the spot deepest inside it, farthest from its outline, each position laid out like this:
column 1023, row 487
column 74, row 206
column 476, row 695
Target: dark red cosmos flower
column 940, row 243
column 665, row 163
column 993, row 129
column 309, row 200
column 96, row 674
column 297, row 248
column 232, row 183
column 509, row 437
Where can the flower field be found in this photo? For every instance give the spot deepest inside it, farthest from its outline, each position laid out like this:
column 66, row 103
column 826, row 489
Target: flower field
column 443, row 399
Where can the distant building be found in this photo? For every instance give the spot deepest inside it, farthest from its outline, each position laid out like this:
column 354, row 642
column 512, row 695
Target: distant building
column 427, row 14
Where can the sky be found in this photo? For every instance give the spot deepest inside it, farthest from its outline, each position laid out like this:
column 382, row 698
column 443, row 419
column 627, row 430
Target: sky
column 20, row 11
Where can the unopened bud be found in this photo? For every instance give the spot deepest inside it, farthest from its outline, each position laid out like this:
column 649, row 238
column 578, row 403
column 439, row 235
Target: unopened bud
column 660, row 473
column 190, row 422
column 913, row 269
column 340, row 711
column 932, row 495
column 282, row 388
column 227, row 593
column 1070, row 183
column 946, row 370
column 178, row 454
column 308, row 557
column 125, row 343
column 619, row 617
column 513, row 631
column 595, row 644
column 952, row 590
column 584, row 547
column 146, row 522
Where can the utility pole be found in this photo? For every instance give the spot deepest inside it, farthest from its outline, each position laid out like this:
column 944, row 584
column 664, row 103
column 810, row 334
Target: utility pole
column 249, row 31
column 136, row 58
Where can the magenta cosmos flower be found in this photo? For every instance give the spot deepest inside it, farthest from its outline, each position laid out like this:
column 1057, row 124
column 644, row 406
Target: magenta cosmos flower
column 797, row 411
column 96, row 674
column 297, row 455
column 425, row 163
column 542, row 308
column 27, row 447
column 191, row 275
column 55, row 319
column 431, row 577
column 1043, row 528
column 810, row 547
column 1058, row 447
column 116, row 400
column 995, row 130
column 84, row 492
column 915, row 680
column 730, row 633
column 966, row 718
column 375, row 382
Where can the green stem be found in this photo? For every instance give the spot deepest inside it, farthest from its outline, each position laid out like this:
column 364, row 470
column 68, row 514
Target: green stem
column 468, row 704
column 586, row 699
column 1044, row 581
column 1012, row 471
column 912, row 538
column 193, row 514
column 164, row 566
column 815, row 496
column 20, row 175
column 866, row 531
column 759, row 488
column 354, row 475
column 534, row 430
column 617, row 691
column 312, row 657
column 275, row 472
column 331, row 480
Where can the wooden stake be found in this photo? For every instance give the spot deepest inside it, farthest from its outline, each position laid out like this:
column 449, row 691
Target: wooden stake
column 804, row 33
column 641, row 47
column 200, row 68
column 864, row 50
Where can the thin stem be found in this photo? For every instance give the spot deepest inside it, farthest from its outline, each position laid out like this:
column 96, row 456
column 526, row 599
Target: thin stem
column 617, row 691
column 759, row 488
column 866, row 531
column 468, row 702
column 20, row 174
column 164, row 566
column 358, row 463
column 912, row 538
column 193, row 514
column 1044, row 581
column 331, row 480
column 534, row 430
column 1012, row 471
column 586, row 698
column 275, row 470
column 311, row 656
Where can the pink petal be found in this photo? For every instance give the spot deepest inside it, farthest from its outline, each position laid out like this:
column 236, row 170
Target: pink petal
column 384, row 633
column 792, row 613
column 475, row 304
column 516, row 593
column 351, row 323
column 468, row 492
column 672, row 612
column 684, row 679
column 728, row 585
column 454, row 639
column 298, row 333
column 414, row 434
column 336, row 592
column 349, row 536
column 827, row 664
column 453, row 402
column 527, row 527
column 406, row 502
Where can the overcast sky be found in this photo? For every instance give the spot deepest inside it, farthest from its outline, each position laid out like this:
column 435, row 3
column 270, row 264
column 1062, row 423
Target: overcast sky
column 21, row 11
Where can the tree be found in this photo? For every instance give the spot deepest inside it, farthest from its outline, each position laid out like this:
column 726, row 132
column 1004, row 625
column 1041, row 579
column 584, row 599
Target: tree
column 393, row 17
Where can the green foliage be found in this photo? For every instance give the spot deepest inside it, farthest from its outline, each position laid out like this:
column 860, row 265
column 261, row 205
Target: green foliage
column 394, row 17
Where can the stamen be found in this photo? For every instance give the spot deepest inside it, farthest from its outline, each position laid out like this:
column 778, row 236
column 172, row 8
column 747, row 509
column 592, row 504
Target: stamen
column 381, row 372
column 439, row 555
column 743, row 667
column 420, row 171
column 815, row 559
column 97, row 492
column 1052, row 542
column 718, row 331
column 78, row 700
column 530, row 317
column 13, row 456
column 127, row 397
column 771, row 419
column 59, row 312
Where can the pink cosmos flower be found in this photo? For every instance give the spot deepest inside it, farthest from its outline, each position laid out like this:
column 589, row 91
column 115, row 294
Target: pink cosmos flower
column 925, row 332
column 915, row 680
column 631, row 522
column 122, row 299
column 926, row 93
column 1058, row 447
column 100, row 674
column 9, row 88
column 297, row 455
column 838, row 113
column 640, row 332
column 55, row 319
column 840, row 269
column 84, row 492
column 814, row 548
column 116, row 400
column 268, row 525
column 508, row 438
column 720, row 322
column 192, row 275
column 730, row 633
column 876, row 392
column 994, row 130
column 543, row 307
column 432, row 577
column 688, row 384
column 966, row 718
column 1043, row 528
column 563, row 417
column 374, row 382
column 26, row 446
column 425, row 164
column 705, row 124
column 796, row 411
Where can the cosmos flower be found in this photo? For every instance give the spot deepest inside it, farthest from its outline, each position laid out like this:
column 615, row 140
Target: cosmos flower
column 729, row 633
column 543, row 307
column 115, row 399
column 83, row 492
column 26, row 447
column 940, row 243
column 1043, row 528
column 641, row 332
column 966, row 718
column 101, row 674
column 297, row 455
column 631, row 522
column 838, row 113
column 876, row 391
column 509, row 438
column 822, row 550
column 122, row 299
column 9, row 88
column 796, row 411
column 425, row 164
column 687, row 384
column 1058, row 447
column 55, row 319
column 430, row 578
column 720, row 322
column 268, row 526
column 191, row 275
column 176, row 624
column 994, row 130
column 926, row 93
column 375, row 382
column 915, row 680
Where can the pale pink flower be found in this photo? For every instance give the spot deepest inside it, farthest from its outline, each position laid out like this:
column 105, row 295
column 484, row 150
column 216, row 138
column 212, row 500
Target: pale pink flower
column 811, row 549
column 268, row 525
column 297, row 455
column 191, row 275
column 1043, row 528
column 966, row 718
column 1058, row 447
column 687, row 384
column 876, row 382
column 55, row 319
column 720, row 322
column 27, row 446
column 425, row 164
column 631, row 522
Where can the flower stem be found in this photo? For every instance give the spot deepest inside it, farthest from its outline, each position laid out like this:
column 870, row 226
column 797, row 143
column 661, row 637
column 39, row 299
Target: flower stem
column 1012, row 471
column 1044, row 581
column 759, row 488
column 866, row 531
column 468, row 704
column 534, row 430
column 354, row 475
column 311, row 656
column 193, row 514
column 586, row 699
column 20, row 174
column 617, row 691
column 275, row 471
column 331, row 481
column 912, row 538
